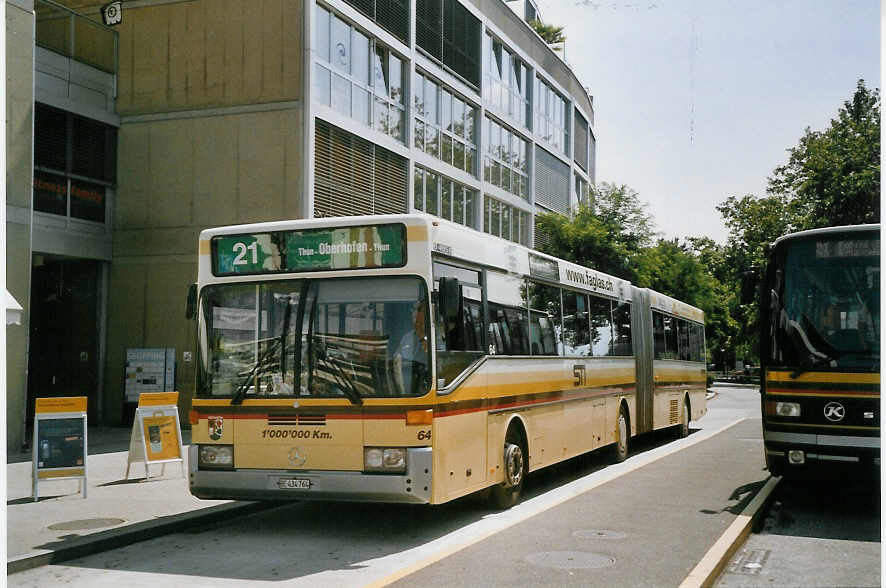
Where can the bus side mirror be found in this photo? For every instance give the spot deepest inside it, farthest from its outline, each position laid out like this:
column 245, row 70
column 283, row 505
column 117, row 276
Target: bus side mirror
column 449, row 297
column 749, row 281
column 191, row 310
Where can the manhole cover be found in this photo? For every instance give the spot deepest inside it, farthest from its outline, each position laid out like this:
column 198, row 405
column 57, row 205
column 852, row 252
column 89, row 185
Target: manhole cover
column 599, row 534
column 85, row 524
column 567, row 560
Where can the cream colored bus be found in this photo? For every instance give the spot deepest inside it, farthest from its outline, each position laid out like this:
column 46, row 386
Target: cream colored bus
column 409, row 359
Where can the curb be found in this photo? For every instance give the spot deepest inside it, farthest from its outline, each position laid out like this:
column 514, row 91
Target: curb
column 710, row 566
column 129, row 534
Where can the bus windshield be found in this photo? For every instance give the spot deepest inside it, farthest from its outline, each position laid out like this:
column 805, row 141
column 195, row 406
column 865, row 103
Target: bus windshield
column 329, row 338
column 825, row 304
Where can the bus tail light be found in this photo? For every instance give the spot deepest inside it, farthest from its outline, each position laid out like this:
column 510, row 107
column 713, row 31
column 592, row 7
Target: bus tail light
column 419, row 417
column 215, row 456
column 193, row 417
column 387, row 459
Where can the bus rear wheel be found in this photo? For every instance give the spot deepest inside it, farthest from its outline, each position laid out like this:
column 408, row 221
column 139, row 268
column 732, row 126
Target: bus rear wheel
column 683, row 427
column 507, row 494
column 621, row 436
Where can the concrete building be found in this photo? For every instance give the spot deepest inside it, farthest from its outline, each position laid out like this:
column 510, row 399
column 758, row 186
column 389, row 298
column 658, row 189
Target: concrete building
column 124, row 142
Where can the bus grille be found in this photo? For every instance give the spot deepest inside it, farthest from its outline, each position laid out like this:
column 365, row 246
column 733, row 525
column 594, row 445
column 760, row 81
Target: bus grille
column 313, row 420
column 675, row 411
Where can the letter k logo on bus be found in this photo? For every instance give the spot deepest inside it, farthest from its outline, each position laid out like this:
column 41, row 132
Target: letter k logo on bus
column 834, row 411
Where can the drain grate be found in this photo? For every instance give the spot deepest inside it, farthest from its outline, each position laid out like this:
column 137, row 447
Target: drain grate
column 85, row 524
column 599, row 534
column 749, row 562
column 571, row 560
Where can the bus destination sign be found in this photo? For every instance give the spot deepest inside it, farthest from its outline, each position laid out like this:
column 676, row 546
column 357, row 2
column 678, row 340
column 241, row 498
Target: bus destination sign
column 341, row 248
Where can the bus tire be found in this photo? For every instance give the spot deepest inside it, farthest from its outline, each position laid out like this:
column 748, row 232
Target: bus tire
column 507, row 494
column 622, row 433
column 683, row 427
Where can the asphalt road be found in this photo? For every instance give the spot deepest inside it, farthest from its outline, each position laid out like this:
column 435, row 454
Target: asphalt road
column 646, row 521
column 816, row 533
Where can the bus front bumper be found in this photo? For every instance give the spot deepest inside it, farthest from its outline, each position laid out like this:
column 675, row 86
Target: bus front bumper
column 413, row 487
column 795, row 450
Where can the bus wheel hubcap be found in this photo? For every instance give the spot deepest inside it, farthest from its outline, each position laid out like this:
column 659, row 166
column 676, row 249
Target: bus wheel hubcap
column 513, row 464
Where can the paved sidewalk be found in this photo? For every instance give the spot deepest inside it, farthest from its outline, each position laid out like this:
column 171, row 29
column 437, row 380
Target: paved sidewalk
column 116, row 511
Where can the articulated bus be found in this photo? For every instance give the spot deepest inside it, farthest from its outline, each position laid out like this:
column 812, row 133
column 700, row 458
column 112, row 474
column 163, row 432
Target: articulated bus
column 404, row 358
column 820, row 351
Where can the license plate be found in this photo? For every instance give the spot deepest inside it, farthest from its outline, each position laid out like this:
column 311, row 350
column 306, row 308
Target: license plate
column 294, row 484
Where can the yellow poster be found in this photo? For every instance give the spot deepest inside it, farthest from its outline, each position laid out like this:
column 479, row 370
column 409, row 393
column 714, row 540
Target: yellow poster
column 161, row 438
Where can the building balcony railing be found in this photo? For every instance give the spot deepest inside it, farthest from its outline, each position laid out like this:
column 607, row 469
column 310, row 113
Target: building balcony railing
column 73, row 35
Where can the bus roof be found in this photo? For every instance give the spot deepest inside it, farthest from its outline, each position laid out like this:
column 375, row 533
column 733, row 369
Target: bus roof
column 826, row 231
column 455, row 241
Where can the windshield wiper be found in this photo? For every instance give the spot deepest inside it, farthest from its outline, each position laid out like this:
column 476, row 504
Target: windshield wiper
column 244, row 386
column 342, row 378
column 278, row 343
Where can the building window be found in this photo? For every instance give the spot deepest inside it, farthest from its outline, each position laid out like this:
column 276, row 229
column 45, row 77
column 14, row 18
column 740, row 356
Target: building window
column 75, row 161
column 551, row 117
column 444, row 124
column 391, row 15
column 580, row 148
column 505, row 164
column 505, row 81
column 582, row 191
column 440, row 196
column 505, row 221
column 551, row 182
column 450, row 34
column 357, row 76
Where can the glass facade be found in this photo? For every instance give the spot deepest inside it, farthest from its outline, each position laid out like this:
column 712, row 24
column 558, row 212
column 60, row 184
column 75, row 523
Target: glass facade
column 444, row 124
column 440, row 196
column 357, row 76
column 505, row 162
column 505, row 221
column 506, row 81
column 551, row 117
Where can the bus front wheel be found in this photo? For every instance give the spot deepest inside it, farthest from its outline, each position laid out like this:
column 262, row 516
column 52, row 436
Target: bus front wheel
column 506, row 494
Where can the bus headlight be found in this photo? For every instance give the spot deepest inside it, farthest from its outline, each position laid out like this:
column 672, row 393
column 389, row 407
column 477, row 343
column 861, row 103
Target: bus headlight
column 215, row 457
column 787, row 409
column 384, row 459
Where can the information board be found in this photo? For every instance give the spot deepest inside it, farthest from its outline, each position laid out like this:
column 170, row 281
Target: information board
column 59, row 441
column 149, row 370
column 156, row 432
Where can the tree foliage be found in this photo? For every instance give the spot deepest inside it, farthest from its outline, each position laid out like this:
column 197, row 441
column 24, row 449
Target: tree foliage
column 833, row 176
column 606, row 234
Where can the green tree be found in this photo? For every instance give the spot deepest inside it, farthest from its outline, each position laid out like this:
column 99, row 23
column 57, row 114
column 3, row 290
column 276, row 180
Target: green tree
column 606, row 234
column 684, row 271
column 549, row 33
column 833, row 176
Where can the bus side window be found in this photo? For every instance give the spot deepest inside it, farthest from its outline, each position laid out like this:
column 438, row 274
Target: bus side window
column 544, row 319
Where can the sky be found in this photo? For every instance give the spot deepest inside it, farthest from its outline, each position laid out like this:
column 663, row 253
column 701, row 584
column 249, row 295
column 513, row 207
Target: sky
column 699, row 100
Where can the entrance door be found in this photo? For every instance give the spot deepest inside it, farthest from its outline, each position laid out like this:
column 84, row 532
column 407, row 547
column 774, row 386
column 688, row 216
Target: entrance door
column 64, row 345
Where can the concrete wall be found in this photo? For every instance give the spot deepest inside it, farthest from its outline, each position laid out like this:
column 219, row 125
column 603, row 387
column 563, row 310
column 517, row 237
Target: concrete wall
column 210, row 98
column 19, row 137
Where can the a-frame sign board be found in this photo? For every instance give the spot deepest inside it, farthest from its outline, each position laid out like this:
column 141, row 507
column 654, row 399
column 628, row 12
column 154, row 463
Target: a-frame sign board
column 59, row 441
column 156, row 432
